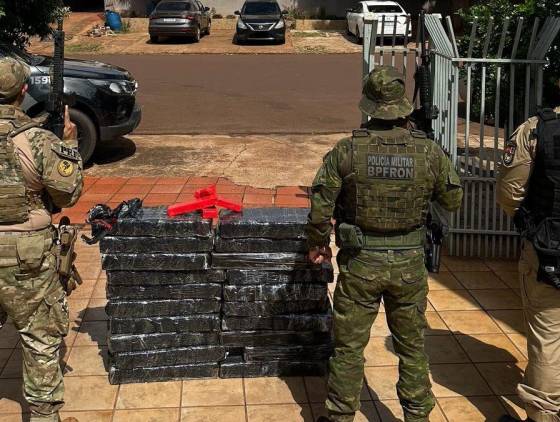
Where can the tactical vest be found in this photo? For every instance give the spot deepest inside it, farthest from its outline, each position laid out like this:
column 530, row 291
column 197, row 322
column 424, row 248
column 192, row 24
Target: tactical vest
column 388, row 191
column 543, row 199
column 15, row 200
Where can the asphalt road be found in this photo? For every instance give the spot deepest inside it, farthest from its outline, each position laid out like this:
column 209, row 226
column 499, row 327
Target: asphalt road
column 239, row 94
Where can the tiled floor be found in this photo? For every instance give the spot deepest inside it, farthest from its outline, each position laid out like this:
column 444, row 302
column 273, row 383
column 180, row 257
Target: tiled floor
column 476, row 345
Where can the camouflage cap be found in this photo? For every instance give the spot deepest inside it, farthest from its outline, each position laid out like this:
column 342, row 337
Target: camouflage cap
column 384, row 95
column 13, row 75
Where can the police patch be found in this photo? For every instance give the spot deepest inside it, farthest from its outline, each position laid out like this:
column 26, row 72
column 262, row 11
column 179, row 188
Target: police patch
column 509, row 153
column 66, row 152
column 65, row 168
column 398, row 167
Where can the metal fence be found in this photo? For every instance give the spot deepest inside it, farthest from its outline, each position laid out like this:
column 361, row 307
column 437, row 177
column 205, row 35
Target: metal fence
column 482, row 96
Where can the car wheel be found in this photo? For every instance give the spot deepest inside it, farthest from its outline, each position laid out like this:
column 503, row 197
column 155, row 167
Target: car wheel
column 359, row 38
column 196, row 37
column 154, row 39
column 209, row 28
column 87, row 133
column 348, row 32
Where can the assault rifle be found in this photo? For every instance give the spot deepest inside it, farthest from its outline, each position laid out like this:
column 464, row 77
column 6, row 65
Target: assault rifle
column 55, row 103
column 423, row 117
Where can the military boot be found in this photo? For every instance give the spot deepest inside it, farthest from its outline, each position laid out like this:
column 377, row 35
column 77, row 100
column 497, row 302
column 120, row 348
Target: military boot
column 508, row 418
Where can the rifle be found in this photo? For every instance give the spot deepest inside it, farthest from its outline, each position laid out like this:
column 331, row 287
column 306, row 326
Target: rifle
column 55, row 103
column 423, row 117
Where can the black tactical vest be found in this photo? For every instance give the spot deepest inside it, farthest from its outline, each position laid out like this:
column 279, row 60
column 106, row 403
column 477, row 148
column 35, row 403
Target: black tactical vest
column 390, row 186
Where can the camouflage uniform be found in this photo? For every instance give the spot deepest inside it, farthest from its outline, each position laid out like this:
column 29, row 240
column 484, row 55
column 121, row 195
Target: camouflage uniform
column 31, row 293
column 378, row 184
column 540, row 388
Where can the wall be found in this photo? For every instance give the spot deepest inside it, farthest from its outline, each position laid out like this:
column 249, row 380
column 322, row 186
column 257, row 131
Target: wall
column 320, row 8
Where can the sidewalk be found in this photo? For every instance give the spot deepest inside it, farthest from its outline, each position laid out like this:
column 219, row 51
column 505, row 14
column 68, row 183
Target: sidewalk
column 475, row 341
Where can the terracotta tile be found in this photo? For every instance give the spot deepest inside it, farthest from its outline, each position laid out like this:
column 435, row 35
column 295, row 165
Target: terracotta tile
column 510, row 321
column 443, row 281
column 146, row 415
column 92, row 334
column 202, row 180
column 520, row 342
column 190, row 189
column 502, row 377
column 78, row 395
column 97, row 197
column 230, row 189
column 291, row 201
column 380, row 327
column 380, row 352
column 89, row 270
column 453, row 380
column 130, row 189
column 77, row 308
column 92, row 416
column 444, row 349
column 111, row 181
column 15, row 417
column 149, row 395
column 382, row 382
column 279, row 413
column 11, row 398
column 259, row 191
column 510, row 278
column 232, row 197
column 275, row 390
column 251, row 205
column 464, row 264
column 501, row 264
column 153, row 199
column 292, row 190
column 158, row 188
column 391, row 411
column 470, row 322
column 87, row 360
column 104, row 189
column 100, row 290
column 367, row 412
column 254, row 199
column 213, row 392
column 85, row 290
column 490, row 348
column 9, row 337
column 514, row 406
column 84, row 206
column 497, row 299
column 436, row 325
column 317, row 390
column 142, row 180
column 472, row 409
column 452, row 300
column 479, row 280
column 209, row 414
column 96, row 310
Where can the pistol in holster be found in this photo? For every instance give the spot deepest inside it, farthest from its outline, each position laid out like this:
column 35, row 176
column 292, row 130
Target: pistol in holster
column 66, row 256
column 349, row 237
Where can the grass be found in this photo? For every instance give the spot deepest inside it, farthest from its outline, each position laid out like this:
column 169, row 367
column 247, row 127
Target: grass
column 309, row 34
column 126, row 26
column 82, row 48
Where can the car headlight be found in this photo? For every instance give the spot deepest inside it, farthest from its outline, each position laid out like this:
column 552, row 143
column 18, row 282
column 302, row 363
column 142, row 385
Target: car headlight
column 279, row 24
column 117, row 87
column 240, row 24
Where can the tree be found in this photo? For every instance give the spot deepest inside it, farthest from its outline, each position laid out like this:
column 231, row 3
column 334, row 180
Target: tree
column 22, row 19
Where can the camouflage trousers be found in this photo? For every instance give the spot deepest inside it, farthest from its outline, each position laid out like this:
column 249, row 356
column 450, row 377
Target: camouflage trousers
column 34, row 299
column 399, row 278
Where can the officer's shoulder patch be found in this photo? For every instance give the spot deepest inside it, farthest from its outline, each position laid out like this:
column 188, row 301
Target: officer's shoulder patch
column 65, row 152
column 66, row 168
column 416, row 133
column 360, row 133
column 509, row 153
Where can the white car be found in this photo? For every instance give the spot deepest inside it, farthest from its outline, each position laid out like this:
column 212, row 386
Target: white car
column 390, row 9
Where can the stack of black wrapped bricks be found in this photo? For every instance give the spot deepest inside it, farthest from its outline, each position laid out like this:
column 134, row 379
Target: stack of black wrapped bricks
column 185, row 301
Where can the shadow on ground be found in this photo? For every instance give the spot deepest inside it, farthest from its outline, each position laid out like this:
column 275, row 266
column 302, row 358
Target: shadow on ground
column 112, row 152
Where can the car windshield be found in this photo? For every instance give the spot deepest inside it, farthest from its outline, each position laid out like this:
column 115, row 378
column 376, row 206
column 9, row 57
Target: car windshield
column 385, row 8
column 264, row 8
column 175, row 6
column 16, row 53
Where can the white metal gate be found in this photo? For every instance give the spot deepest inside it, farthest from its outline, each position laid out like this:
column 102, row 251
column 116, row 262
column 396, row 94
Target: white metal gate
column 480, row 227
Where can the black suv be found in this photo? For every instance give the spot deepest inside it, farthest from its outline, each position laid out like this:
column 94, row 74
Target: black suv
column 260, row 20
column 105, row 106
column 180, row 18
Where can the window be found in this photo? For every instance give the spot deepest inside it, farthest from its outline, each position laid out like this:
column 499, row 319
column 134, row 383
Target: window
column 385, row 8
column 264, row 8
column 175, row 6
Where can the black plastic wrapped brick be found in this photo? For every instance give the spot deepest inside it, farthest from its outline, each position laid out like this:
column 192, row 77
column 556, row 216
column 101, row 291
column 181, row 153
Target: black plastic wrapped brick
column 264, row 261
column 186, row 291
column 168, row 357
column 155, row 222
column 275, row 308
column 270, row 223
column 291, row 353
column 275, row 293
column 160, row 308
column 140, row 343
column 155, row 262
column 259, row 245
column 154, row 325
column 236, row 368
column 170, row 245
column 151, row 278
column 273, row 338
column 316, row 323
column 322, row 274
column 163, row 373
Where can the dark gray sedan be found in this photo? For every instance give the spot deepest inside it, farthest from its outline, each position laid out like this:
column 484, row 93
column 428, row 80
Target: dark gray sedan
column 173, row 18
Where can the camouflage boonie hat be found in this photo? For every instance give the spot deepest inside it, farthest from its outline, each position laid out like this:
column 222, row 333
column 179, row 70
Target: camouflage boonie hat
column 384, row 95
column 13, row 75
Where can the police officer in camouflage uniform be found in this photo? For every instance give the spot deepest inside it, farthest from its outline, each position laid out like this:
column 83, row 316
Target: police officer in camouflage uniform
column 378, row 184
column 37, row 171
